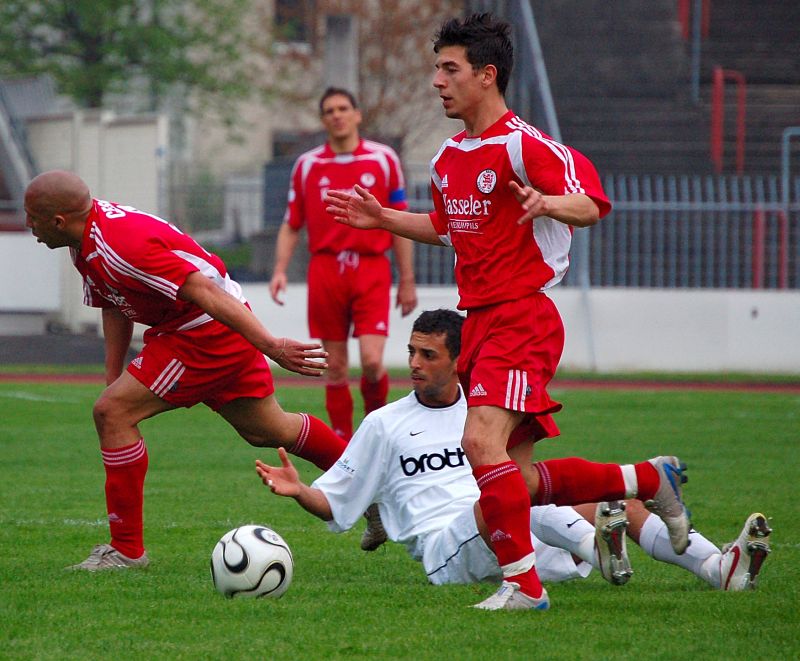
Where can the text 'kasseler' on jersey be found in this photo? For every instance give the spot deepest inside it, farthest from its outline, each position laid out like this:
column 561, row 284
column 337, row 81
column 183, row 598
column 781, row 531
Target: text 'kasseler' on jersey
column 137, row 262
column 371, row 165
column 406, row 457
column 497, row 259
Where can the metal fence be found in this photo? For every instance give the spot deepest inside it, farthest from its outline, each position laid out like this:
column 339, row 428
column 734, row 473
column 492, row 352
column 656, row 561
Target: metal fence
column 677, row 231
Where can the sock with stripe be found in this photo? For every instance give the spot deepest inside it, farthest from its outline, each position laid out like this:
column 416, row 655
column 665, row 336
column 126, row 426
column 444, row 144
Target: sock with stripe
column 339, row 404
column 504, row 503
column 126, row 468
column 374, row 393
column 573, row 481
column 317, row 443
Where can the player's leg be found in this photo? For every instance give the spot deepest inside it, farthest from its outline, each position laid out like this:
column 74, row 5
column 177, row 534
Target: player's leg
column 504, row 504
column 263, row 423
column 117, row 413
column 374, row 379
column 338, row 400
column 736, row 567
column 370, row 313
column 329, row 300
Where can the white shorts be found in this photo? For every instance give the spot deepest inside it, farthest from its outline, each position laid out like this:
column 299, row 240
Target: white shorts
column 458, row 554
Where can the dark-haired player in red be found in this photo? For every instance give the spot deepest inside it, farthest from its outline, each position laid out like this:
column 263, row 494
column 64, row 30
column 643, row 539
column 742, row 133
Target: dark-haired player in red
column 204, row 345
column 349, row 275
column 506, row 199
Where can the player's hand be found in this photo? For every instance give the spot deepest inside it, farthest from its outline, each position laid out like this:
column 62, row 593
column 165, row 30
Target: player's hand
column 283, row 480
column 276, row 286
column 361, row 210
column 406, row 297
column 305, row 359
column 533, row 202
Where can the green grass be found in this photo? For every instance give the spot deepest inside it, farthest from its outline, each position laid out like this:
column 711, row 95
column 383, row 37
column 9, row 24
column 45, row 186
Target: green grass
column 742, row 451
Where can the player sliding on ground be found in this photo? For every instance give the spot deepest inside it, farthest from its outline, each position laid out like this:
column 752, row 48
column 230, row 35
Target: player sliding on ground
column 406, row 458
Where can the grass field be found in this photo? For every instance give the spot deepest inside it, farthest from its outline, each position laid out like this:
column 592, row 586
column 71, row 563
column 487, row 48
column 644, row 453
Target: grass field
column 742, row 451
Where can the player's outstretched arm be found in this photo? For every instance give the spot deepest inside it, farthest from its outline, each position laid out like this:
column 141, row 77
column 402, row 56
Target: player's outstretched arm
column 306, row 359
column 363, row 211
column 283, row 480
column 574, row 209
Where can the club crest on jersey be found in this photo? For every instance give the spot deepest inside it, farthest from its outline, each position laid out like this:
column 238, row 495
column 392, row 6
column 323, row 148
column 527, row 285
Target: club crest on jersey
column 487, row 180
column 367, row 180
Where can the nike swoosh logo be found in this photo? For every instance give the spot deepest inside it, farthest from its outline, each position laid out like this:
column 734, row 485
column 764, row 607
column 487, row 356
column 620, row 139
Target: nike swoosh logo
column 416, row 433
column 569, row 525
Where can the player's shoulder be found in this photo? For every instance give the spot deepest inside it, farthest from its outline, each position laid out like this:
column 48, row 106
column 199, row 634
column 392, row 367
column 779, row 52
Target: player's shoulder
column 375, row 146
column 311, row 154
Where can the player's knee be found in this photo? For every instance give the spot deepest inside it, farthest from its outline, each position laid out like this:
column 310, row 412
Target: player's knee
column 372, row 369
column 105, row 413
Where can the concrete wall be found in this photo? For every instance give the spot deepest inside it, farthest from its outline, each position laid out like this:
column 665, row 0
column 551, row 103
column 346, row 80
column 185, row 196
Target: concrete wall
column 631, row 329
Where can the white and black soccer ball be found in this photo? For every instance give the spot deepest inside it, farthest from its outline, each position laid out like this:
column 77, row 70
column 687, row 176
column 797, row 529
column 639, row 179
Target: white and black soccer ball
column 252, row 561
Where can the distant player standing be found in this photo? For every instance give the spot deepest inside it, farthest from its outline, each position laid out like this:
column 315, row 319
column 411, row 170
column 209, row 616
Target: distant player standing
column 506, row 198
column 349, row 275
column 203, row 345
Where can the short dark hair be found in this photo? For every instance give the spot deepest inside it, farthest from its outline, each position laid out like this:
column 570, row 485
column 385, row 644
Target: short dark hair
column 337, row 91
column 442, row 321
column 486, row 40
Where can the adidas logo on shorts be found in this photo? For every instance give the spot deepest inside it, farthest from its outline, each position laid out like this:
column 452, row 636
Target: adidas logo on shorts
column 137, row 362
column 477, row 391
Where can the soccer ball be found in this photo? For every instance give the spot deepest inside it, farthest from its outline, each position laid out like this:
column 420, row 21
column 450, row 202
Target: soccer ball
column 252, row 561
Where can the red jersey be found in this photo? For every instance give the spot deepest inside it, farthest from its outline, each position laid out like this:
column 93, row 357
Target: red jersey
column 136, row 262
column 497, row 259
column 373, row 166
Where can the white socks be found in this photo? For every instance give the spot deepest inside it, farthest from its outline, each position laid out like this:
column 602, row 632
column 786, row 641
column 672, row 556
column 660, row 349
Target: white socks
column 701, row 558
column 564, row 528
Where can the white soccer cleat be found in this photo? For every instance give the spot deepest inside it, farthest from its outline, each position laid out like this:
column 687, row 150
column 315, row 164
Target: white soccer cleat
column 741, row 560
column 667, row 502
column 509, row 598
column 105, row 556
column 374, row 534
column 610, row 524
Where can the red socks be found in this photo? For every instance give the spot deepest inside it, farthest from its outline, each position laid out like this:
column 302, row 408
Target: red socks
column 573, row 481
column 317, row 443
column 374, row 394
column 505, row 505
column 126, row 468
column 339, row 404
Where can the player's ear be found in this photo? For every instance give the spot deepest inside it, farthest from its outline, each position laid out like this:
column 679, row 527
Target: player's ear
column 488, row 75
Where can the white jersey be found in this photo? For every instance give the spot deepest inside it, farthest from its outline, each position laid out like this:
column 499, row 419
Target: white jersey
column 407, row 458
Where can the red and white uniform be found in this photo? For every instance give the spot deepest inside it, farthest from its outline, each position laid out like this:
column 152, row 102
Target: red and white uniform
column 136, row 262
column 349, row 277
column 476, row 213
column 373, row 166
column 513, row 337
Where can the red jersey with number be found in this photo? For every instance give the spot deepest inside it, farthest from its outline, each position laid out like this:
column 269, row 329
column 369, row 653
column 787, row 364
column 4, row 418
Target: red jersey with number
column 476, row 212
column 373, row 166
column 137, row 262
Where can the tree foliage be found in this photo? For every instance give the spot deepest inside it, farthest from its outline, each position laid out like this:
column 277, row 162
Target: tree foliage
column 98, row 48
column 395, row 45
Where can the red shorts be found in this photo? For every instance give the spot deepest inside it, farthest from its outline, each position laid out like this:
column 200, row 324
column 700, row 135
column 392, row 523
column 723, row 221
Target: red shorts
column 210, row 364
column 347, row 290
column 509, row 353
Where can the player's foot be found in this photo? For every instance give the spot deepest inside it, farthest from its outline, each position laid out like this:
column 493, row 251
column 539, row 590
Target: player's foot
column 610, row 524
column 374, row 534
column 667, row 502
column 105, row 556
column 742, row 559
column 509, row 598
